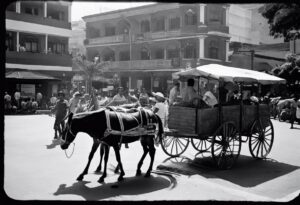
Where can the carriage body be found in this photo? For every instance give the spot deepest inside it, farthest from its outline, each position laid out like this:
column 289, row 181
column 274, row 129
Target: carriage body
column 221, row 130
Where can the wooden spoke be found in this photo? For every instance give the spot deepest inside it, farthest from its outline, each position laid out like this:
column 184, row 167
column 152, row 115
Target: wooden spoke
column 174, row 146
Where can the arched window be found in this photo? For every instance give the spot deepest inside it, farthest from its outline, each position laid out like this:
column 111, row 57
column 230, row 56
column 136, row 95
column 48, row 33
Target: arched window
column 190, row 17
column 213, row 50
column 145, row 26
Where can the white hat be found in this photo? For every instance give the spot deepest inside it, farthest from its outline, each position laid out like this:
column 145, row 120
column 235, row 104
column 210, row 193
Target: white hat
column 159, row 94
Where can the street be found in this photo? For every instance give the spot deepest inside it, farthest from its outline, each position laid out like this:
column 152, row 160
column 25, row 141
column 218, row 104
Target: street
column 35, row 168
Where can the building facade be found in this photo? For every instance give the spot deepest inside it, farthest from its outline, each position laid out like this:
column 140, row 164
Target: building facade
column 145, row 45
column 76, row 45
column 37, row 37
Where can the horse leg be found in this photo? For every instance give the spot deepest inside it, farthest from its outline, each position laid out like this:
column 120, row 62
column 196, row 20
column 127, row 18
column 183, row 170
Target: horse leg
column 146, row 150
column 150, row 141
column 91, row 155
column 117, row 152
column 102, row 150
column 106, row 153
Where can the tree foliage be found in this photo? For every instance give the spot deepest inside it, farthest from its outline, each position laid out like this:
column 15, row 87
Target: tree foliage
column 282, row 19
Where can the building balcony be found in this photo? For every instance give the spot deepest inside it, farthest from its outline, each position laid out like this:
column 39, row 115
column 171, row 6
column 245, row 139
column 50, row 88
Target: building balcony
column 29, row 58
column 37, row 20
column 218, row 28
column 107, row 39
column 141, row 65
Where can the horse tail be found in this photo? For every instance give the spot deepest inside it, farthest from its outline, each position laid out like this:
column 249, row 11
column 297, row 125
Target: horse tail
column 160, row 126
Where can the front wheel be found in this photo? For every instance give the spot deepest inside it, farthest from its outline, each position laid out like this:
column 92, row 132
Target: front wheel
column 226, row 146
column 261, row 139
column 174, row 146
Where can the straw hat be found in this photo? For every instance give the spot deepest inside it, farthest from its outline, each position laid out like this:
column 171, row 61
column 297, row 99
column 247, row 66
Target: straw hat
column 159, row 94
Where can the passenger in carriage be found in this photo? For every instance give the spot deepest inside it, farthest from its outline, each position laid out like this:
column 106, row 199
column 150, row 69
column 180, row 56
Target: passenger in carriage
column 189, row 94
column 174, row 92
column 209, row 98
column 119, row 98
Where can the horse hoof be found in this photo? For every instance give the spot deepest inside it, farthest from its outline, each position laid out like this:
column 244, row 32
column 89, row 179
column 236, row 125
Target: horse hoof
column 80, row 178
column 147, row 175
column 101, row 180
column 138, row 173
column 116, row 171
column 120, row 179
column 98, row 170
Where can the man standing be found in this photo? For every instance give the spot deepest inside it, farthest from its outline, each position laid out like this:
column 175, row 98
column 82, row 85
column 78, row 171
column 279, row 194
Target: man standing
column 174, row 92
column 119, row 98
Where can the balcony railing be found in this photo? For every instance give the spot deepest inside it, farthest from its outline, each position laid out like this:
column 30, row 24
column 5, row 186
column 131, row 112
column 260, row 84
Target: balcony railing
column 141, row 64
column 107, row 39
column 29, row 58
column 37, row 19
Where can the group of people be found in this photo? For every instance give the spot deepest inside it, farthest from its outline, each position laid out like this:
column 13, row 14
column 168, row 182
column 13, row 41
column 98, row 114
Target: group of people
column 18, row 104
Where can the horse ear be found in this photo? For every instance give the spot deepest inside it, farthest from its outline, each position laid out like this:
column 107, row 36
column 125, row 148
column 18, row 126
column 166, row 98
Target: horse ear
column 70, row 117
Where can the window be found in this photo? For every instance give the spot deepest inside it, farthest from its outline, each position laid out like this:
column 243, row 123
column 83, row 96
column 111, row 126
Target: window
column 31, row 46
column 10, row 41
column 145, row 26
column 213, row 50
column 32, row 11
column 124, row 56
column 174, row 23
column 160, row 24
column 110, row 31
column 190, row 17
column 159, row 54
column 190, row 51
column 145, row 54
column 58, row 48
column 215, row 14
column 173, row 53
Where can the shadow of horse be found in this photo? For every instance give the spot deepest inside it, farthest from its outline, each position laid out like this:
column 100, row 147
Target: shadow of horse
column 247, row 172
column 53, row 144
column 131, row 186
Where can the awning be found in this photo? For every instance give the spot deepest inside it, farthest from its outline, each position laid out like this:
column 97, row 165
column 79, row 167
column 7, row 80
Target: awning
column 230, row 74
column 28, row 75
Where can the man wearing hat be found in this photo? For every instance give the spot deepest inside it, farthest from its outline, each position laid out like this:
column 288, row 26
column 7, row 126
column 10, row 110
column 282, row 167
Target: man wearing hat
column 74, row 101
column 61, row 111
column 161, row 109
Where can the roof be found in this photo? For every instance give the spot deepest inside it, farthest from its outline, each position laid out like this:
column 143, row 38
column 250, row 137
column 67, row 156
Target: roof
column 29, row 75
column 230, row 74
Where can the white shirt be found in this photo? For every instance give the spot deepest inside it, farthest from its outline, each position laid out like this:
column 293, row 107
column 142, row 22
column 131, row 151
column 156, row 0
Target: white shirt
column 298, row 110
column 162, row 109
column 73, row 103
column 210, row 99
column 173, row 95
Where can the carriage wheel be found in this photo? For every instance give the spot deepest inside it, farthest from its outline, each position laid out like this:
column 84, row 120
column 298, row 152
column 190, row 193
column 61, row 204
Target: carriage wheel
column 261, row 139
column 201, row 145
column 226, row 146
column 174, row 146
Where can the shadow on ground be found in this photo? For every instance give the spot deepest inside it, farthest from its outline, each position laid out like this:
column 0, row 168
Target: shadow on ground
column 130, row 186
column 247, row 172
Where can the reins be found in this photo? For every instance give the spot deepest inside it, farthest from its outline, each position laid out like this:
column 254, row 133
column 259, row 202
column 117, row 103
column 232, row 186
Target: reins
column 69, row 156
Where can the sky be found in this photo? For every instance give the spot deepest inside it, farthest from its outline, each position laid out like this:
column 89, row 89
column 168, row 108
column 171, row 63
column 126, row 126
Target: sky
column 80, row 9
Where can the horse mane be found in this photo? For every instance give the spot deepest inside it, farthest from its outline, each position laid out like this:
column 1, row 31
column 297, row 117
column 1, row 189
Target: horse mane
column 85, row 114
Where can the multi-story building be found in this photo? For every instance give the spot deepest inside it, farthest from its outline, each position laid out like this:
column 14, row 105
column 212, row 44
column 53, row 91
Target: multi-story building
column 145, row 45
column 37, row 35
column 76, row 45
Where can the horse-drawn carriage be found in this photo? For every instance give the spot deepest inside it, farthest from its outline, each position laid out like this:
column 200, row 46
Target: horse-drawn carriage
column 222, row 129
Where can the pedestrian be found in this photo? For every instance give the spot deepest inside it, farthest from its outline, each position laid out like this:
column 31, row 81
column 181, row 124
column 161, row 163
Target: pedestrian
column 17, row 96
column 74, row 101
column 174, row 92
column 7, row 102
column 61, row 111
column 39, row 98
column 144, row 98
column 160, row 109
column 295, row 111
column 119, row 98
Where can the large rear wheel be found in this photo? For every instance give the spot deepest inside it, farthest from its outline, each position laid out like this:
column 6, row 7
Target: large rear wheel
column 261, row 139
column 174, row 146
column 226, row 146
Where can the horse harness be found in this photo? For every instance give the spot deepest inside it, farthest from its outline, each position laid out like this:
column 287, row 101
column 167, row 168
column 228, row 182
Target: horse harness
column 142, row 128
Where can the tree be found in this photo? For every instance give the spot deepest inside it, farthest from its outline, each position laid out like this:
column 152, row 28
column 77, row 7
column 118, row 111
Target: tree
column 284, row 19
column 90, row 68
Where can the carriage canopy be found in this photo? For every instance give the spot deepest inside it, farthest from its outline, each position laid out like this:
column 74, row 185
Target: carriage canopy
column 229, row 74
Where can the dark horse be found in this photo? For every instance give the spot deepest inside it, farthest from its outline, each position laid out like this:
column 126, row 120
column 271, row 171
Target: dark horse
column 95, row 124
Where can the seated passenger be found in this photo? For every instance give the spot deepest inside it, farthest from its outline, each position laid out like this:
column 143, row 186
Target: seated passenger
column 189, row 94
column 209, row 98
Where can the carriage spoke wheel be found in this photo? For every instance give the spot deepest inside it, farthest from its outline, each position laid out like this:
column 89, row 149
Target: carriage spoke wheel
column 226, row 146
column 174, row 146
column 261, row 139
column 201, row 144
